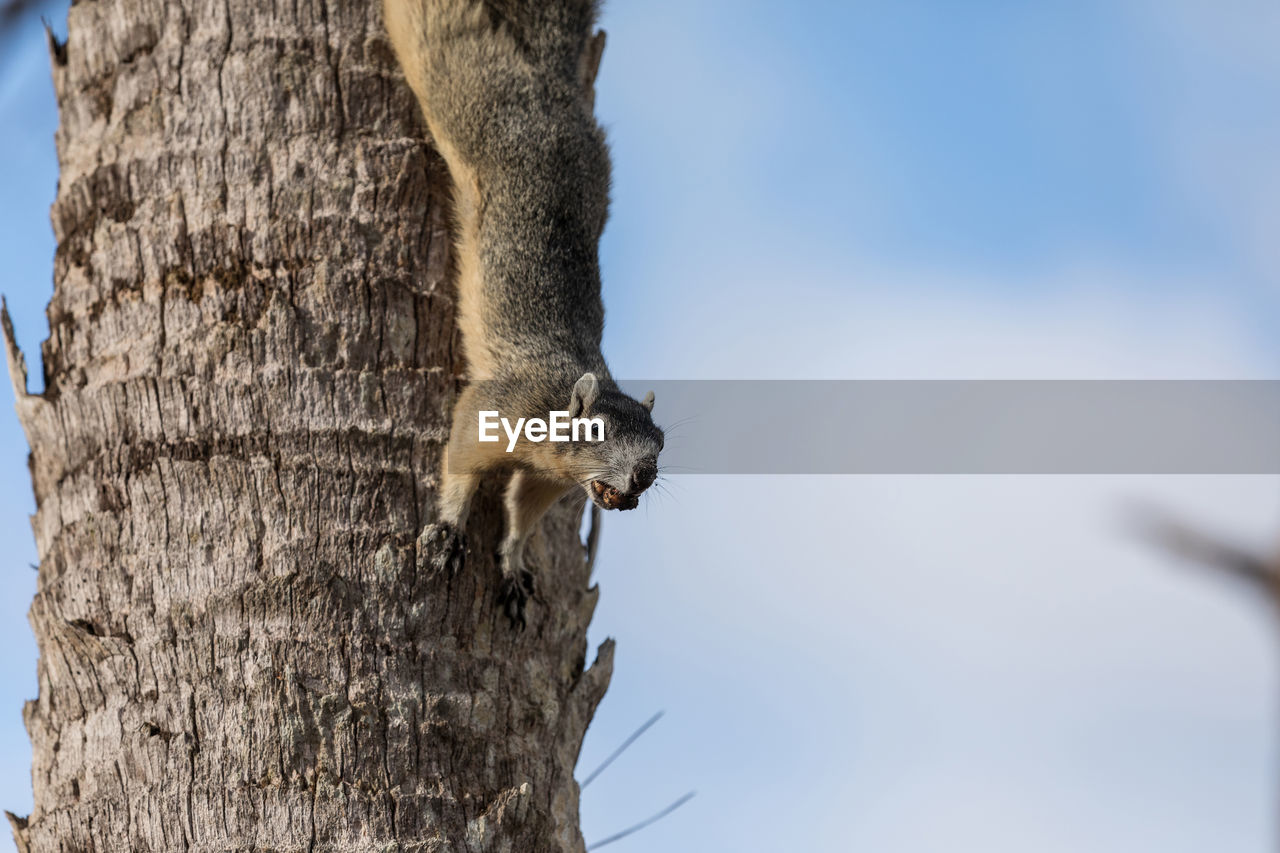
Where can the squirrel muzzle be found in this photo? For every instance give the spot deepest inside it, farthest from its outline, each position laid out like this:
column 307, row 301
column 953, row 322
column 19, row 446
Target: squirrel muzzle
column 608, row 497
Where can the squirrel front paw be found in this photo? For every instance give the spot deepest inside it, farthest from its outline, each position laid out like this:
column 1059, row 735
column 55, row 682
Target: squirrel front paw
column 514, row 594
column 444, row 548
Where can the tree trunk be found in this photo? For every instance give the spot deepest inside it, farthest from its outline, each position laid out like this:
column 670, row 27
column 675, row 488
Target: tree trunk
column 248, row 383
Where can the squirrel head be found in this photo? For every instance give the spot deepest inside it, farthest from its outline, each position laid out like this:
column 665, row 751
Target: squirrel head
column 614, row 472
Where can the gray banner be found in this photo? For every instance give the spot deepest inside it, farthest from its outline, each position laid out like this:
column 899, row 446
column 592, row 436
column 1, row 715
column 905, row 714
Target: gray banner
column 967, row 427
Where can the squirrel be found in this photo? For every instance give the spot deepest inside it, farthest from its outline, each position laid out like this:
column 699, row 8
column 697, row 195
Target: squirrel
column 507, row 90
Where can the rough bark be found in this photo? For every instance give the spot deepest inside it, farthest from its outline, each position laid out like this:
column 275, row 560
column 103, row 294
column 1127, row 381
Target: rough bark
column 248, row 382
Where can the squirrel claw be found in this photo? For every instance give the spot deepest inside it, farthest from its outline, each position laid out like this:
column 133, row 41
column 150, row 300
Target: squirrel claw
column 445, row 547
column 514, row 595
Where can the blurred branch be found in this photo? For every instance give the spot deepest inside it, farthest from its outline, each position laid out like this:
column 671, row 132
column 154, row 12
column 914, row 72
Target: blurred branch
column 11, row 11
column 1185, row 541
column 642, row 824
column 626, row 743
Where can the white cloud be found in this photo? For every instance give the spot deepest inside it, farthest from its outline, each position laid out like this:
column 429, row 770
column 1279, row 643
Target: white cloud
column 963, row 663
column 1212, row 111
column 806, row 321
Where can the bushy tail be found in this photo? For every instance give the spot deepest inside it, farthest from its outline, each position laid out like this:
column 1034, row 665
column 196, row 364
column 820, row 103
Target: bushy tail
column 493, row 75
column 506, row 87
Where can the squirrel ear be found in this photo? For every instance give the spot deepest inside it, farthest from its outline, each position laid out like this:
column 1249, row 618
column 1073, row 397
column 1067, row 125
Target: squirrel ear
column 585, row 391
column 647, row 402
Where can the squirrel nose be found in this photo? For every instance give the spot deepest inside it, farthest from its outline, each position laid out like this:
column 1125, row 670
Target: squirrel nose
column 642, row 476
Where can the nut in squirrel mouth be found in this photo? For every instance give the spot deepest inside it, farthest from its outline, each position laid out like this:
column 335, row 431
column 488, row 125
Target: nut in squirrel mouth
column 607, row 497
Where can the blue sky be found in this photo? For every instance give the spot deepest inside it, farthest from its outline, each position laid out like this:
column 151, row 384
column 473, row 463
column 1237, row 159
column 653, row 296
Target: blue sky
column 28, row 179
column 889, row 190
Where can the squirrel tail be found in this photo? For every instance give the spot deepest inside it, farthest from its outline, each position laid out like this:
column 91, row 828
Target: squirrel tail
column 507, row 89
column 490, row 74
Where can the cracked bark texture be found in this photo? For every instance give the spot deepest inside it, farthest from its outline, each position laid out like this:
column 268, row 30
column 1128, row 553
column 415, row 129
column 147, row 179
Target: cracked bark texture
column 248, row 383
